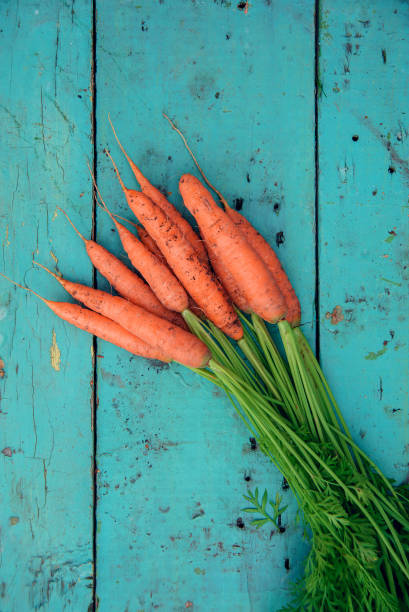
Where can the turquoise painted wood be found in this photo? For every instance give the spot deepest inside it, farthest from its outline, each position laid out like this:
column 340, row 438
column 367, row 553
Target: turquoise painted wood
column 363, row 227
column 172, row 457
column 46, row 367
column 173, row 460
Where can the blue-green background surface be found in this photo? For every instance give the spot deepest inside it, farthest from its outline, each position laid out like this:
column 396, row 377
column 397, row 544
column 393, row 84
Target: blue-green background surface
column 122, row 482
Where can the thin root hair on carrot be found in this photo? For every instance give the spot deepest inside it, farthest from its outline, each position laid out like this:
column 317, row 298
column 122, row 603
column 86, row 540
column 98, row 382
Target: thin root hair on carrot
column 108, row 154
column 69, row 220
column 127, row 220
column 118, row 141
column 221, row 198
column 101, row 202
column 22, row 286
column 46, row 269
column 97, row 191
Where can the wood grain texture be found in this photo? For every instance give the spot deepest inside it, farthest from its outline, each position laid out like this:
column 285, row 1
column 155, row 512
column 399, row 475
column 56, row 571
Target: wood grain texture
column 364, row 231
column 46, row 366
column 172, row 457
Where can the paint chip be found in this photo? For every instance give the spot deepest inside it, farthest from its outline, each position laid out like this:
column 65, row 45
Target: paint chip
column 2, row 371
column 391, row 237
column 336, row 315
column 371, row 356
column 55, row 354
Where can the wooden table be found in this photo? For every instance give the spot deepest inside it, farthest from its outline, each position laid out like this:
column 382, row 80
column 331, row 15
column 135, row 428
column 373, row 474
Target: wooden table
column 122, row 481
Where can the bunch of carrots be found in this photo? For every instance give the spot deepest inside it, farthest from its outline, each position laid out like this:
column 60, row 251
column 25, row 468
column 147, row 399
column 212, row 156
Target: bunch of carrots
column 205, row 302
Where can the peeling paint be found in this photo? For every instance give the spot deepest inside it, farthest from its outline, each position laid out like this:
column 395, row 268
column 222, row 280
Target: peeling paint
column 336, row 315
column 6, row 241
column 391, row 237
column 371, row 356
column 55, row 354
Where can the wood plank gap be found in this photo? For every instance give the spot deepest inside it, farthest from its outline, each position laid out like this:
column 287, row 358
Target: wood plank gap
column 94, row 603
column 317, row 94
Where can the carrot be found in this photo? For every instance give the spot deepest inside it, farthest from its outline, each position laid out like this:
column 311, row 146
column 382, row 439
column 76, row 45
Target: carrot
column 208, row 183
column 144, row 237
column 291, row 301
column 157, row 274
column 127, row 283
column 246, row 267
column 196, row 277
column 160, row 200
column 266, row 253
column 169, row 339
column 149, row 242
column 99, row 326
column 227, row 280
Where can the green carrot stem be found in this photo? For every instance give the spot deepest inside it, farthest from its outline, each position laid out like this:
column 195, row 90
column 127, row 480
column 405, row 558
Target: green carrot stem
column 277, row 369
column 392, row 531
column 403, row 587
column 258, row 366
column 238, row 364
column 353, row 498
column 196, row 327
column 311, row 399
column 302, row 339
column 388, row 570
column 258, row 403
column 320, row 415
column 285, row 331
column 371, row 464
column 263, row 334
column 251, row 339
column 350, row 495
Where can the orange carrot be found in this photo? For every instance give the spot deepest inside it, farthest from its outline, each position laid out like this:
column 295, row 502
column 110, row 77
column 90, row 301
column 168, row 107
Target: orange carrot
column 196, row 277
column 157, row 274
column 99, row 326
column 180, row 345
column 144, row 237
column 160, row 200
column 246, row 267
column 149, row 242
column 264, row 250
column 127, row 283
column 256, row 241
column 227, row 280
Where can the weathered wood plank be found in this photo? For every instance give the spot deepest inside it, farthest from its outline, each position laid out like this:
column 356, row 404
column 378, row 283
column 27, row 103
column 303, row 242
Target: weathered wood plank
column 364, row 179
column 173, row 460
column 46, row 367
